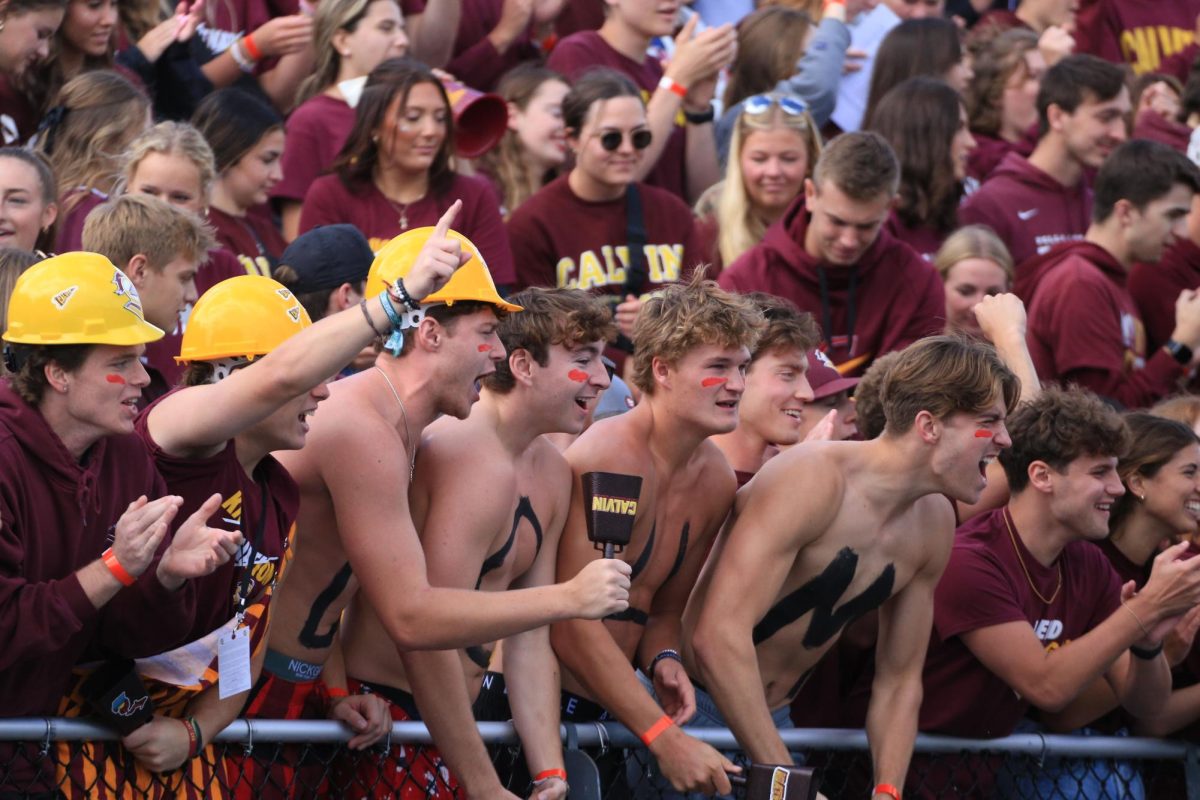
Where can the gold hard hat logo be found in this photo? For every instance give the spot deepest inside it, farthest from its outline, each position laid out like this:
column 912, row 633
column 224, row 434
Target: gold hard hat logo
column 779, row 782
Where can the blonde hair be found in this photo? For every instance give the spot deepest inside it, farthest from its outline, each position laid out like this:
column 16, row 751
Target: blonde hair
column 138, row 224
column 1183, row 408
column 172, row 138
column 332, row 16
column 101, row 113
column 684, row 316
column 973, row 241
column 740, row 228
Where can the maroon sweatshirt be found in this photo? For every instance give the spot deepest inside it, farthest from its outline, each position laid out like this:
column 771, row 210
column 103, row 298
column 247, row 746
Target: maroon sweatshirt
column 1156, row 287
column 1153, row 126
column 989, row 151
column 58, row 516
column 1084, row 327
column 885, row 302
column 475, row 60
column 1142, row 33
column 1029, row 210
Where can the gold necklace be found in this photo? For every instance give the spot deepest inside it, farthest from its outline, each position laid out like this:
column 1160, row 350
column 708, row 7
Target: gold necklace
column 412, row 460
column 1024, row 568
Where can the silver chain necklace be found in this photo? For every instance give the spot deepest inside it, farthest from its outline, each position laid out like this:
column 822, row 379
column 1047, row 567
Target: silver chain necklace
column 412, row 458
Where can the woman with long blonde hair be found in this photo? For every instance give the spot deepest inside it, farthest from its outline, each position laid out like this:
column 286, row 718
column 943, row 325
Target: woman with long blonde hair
column 350, row 38
column 774, row 148
column 83, row 138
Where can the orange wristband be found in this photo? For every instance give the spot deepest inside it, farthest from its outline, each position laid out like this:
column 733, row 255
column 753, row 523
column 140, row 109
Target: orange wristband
column 547, row 774
column 655, row 730
column 114, row 566
column 888, row 789
column 251, row 48
column 334, row 692
column 672, row 85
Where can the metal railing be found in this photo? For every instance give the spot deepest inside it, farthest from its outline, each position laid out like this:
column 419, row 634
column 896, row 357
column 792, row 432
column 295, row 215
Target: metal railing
column 302, row 758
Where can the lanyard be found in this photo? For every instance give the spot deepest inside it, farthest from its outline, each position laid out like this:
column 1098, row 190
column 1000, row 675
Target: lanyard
column 827, row 313
column 247, row 578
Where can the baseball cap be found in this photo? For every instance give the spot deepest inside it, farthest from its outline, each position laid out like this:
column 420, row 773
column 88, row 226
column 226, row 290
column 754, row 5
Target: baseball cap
column 326, row 257
column 824, row 378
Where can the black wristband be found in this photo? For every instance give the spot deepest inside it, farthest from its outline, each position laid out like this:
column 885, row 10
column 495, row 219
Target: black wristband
column 1179, row 351
column 1144, row 654
column 668, row 653
column 403, row 296
column 700, row 117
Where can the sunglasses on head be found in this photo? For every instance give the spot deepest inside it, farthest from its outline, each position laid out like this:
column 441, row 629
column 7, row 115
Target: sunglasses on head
column 761, row 103
column 611, row 140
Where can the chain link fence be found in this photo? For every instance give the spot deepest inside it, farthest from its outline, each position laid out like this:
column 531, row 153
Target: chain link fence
column 263, row 759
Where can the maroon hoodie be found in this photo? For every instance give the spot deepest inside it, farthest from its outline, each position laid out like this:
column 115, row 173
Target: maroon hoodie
column 58, row 516
column 1156, row 287
column 885, row 302
column 1153, row 126
column 1143, row 33
column 989, row 151
column 1029, row 210
column 1084, row 327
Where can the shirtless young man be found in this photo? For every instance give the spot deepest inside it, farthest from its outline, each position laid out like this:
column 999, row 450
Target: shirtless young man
column 693, row 343
column 832, row 530
column 355, row 524
column 500, row 538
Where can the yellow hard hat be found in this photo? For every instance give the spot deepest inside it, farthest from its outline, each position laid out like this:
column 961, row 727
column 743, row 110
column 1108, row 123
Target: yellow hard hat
column 472, row 281
column 77, row 298
column 243, row 317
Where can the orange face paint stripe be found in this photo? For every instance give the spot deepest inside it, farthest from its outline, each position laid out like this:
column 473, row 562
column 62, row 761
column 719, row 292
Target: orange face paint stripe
column 578, row 375
column 708, row 383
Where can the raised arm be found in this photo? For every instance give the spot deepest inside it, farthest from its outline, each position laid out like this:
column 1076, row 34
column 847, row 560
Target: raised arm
column 201, row 419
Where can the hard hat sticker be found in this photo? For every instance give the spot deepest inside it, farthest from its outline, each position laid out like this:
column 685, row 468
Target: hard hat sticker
column 61, row 299
column 294, row 313
column 126, row 288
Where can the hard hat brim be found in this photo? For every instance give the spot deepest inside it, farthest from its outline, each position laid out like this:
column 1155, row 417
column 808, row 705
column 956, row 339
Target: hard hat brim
column 137, row 332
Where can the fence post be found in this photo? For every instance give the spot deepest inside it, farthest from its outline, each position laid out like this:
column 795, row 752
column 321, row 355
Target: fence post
column 1191, row 773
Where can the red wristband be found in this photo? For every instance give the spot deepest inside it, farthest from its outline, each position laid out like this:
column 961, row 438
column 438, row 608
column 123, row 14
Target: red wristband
column 547, row 774
column 251, row 48
column 655, row 730
column 193, row 732
column 114, row 566
column 672, row 85
column 888, row 789
column 334, row 692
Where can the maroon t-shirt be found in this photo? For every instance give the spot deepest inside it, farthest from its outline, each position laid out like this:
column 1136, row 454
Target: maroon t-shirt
column 70, row 225
column 1084, row 327
column 1141, row 33
column 985, row 585
column 197, row 479
column 579, row 52
column 1153, row 126
column 18, row 117
column 897, row 296
column 316, row 132
column 708, row 233
column 475, row 60
column 329, row 202
column 562, row 240
column 253, row 240
column 1156, row 287
column 1029, row 210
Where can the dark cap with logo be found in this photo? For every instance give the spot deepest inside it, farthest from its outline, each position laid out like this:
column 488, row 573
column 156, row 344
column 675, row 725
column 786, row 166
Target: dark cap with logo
column 327, row 257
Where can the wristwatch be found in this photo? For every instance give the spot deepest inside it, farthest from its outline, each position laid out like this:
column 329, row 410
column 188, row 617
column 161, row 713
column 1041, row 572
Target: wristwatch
column 1180, row 352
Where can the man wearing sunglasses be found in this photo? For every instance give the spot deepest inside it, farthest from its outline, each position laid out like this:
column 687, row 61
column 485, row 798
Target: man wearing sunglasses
column 829, row 254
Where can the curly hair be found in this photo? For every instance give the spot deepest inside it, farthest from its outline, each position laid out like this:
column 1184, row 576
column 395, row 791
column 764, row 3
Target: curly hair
column 684, row 316
column 1057, row 427
column 551, row 316
column 868, row 397
column 786, row 326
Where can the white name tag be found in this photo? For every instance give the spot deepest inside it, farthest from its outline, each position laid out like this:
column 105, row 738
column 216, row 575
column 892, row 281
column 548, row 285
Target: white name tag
column 233, row 663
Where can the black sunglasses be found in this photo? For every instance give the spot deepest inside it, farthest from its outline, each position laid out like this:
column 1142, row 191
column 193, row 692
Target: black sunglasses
column 611, row 140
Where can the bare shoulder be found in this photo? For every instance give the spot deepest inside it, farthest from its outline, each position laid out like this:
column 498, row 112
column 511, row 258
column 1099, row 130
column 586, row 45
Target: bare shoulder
column 464, row 447
column 550, row 464
column 934, row 521
column 715, row 479
column 616, row 444
column 810, row 478
column 348, row 433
